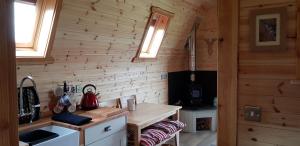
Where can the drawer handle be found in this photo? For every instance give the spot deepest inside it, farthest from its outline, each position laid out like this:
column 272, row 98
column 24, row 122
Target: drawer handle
column 108, row 128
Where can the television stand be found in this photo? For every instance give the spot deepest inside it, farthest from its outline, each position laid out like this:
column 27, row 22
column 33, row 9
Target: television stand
column 190, row 118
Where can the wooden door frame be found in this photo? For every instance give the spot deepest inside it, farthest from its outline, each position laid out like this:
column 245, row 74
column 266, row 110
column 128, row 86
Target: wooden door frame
column 228, row 16
column 8, row 85
column 298, row 41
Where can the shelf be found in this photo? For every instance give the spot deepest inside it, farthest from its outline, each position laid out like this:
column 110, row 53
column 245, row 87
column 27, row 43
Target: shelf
column 171, row 136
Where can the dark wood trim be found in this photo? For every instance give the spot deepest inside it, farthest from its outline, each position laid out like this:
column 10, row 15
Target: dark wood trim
column 8, row 96
column 228, row 13
column 298, row 41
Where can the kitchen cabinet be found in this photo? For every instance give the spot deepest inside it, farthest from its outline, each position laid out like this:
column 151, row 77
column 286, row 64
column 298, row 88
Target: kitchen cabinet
column 117, row 139
column 108, row 133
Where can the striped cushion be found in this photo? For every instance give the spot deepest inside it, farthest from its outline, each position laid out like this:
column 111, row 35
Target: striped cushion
column 157, row 135
column 179, row 125
column 159, row 132
column 165, row 126
column 169, row 127
column 147, row 140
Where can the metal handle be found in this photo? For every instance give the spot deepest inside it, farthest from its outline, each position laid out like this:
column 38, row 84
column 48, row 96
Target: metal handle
column 88, row 85
column 107, row 129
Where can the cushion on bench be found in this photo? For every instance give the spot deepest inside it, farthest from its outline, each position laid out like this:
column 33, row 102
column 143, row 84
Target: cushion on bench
column 159, row 132
column 147, row 140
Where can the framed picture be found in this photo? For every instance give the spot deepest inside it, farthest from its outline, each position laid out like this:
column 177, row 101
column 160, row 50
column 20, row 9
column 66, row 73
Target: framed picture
column 268, row 29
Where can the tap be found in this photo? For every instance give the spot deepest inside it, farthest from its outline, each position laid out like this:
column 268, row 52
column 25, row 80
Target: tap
column 31, row 104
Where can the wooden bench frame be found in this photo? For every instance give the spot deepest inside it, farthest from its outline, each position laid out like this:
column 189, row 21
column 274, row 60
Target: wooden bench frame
column 136, row 129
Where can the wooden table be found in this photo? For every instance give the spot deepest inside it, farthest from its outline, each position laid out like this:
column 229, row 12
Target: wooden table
column 147, row 114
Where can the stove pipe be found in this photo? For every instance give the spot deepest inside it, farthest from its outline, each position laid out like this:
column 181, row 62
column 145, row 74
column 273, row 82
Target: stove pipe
column 192, row 48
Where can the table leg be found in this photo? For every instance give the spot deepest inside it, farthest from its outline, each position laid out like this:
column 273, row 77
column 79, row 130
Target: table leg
column 213, row 124
column 176, row 116
column 81, row 140
column 177, row 139
column 135, row 135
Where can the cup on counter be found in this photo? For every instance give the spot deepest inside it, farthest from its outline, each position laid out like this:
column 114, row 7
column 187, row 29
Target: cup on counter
column 131, row 104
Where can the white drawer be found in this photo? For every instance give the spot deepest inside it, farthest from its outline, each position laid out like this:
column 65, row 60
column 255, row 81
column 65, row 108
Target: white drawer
column 105, row 129
column 117, row 139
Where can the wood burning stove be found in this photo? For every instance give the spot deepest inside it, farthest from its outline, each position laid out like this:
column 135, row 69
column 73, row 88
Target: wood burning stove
column 192, row 95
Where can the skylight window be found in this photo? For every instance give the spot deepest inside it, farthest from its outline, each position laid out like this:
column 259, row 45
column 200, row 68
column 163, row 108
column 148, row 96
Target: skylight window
column 154, row 34
column 25, row 23
column 35, row 21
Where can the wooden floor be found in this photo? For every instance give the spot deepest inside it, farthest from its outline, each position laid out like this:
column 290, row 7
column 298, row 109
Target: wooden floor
column 202, row 138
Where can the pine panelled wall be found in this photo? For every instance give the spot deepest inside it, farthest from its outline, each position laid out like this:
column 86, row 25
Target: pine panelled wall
column 265, row 80
column 207, row 37
column 95, row 42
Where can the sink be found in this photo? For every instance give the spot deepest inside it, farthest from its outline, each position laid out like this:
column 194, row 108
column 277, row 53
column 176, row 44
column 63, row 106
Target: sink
column 37, row 136
column 51, row 136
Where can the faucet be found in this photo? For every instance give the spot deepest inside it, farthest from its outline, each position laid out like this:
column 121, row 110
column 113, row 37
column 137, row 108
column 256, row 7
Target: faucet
column 31, row 103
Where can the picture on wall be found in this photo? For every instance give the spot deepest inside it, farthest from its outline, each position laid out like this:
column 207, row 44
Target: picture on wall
column 268, row 29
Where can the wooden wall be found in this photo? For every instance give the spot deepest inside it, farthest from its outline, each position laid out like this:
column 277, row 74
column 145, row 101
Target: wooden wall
column 207, row 37
column 8, row 96
column 96, row 40
column 265, row 81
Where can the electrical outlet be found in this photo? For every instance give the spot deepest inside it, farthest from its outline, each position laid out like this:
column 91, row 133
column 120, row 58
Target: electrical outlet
column 252, row 113
column 164, row 76
column 78, row 88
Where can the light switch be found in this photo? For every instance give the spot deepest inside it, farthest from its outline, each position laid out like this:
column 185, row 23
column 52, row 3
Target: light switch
column 252, row 113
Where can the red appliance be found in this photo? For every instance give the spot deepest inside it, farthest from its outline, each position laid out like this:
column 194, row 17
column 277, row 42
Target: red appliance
column 89, row 99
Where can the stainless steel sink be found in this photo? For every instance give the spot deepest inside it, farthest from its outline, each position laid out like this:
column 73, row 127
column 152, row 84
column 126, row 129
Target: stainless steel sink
column 51, row 136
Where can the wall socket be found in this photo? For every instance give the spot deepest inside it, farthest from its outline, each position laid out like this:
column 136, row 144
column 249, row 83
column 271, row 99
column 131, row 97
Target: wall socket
column 252, row 113
column 164, row 76
column 78, row 89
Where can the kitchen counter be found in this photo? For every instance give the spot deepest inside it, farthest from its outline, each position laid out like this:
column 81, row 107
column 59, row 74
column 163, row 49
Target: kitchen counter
column 98, row 116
